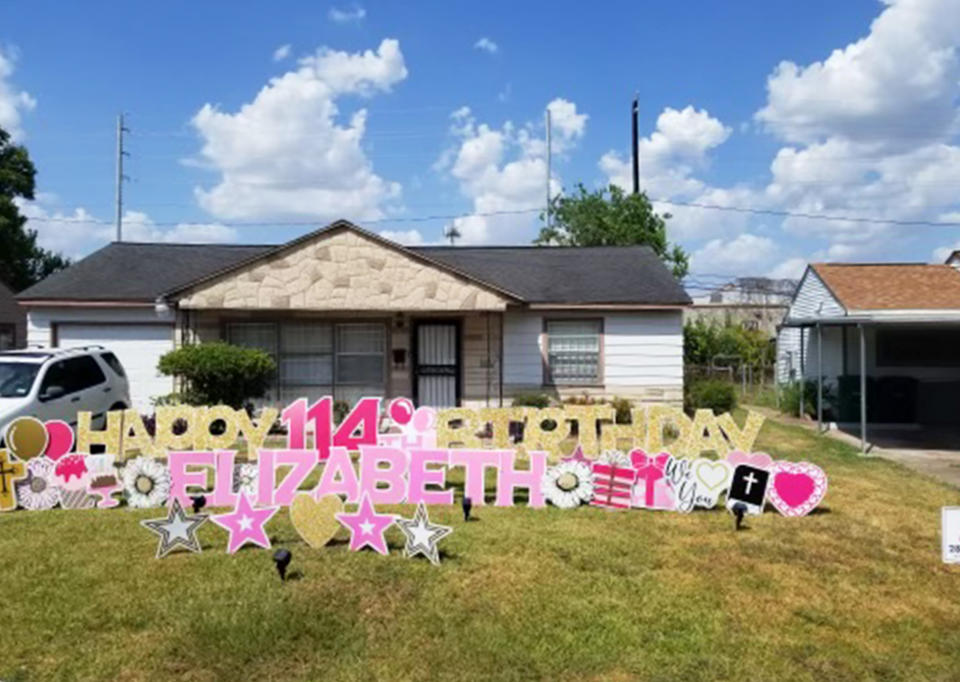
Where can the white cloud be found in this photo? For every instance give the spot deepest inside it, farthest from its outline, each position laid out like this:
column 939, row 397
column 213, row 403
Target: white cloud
column 282, row 52
column 791, row 268
column 747, row 253
column 347, row 15
column 405, row 237
column 567, row 126
column 486, row 45
column 504, row 170
column 670, row 155
column 941, row 254
column 13, row 102
column 869, row 133
column 285, row 155
column 75, row 233
column 898, row 85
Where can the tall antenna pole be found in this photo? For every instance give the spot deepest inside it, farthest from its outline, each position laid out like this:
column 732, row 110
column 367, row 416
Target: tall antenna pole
column 549, row 151
column 120, row 176
column 634, row 112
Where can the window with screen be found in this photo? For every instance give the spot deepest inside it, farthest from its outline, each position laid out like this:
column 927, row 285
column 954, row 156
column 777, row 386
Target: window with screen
column 573, row 352
column 315, row 359
column 360, row 360
column 306, row 360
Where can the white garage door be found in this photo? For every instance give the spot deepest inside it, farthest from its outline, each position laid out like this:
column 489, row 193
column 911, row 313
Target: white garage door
column 138, row 347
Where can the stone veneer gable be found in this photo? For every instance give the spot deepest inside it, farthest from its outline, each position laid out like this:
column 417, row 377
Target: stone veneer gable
column 342, row 271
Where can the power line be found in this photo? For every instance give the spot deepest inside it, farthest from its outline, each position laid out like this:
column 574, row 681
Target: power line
column 809, row 216
column 296, row 223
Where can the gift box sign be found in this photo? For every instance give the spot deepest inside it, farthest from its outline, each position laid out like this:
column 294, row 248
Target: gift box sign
column 612, row 486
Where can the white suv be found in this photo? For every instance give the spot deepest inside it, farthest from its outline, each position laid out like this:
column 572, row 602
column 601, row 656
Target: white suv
column 58, row 383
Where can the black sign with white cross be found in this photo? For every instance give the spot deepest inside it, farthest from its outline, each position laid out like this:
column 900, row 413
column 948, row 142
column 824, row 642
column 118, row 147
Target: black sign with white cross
column 749, row 485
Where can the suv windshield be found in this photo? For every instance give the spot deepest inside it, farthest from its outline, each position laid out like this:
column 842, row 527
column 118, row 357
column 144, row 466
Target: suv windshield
column 16, row 378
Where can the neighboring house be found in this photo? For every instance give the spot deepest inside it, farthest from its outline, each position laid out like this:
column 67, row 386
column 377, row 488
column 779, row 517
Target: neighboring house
column 13, row 320
column 752, row 302
column 894, row 328
column 349, row 313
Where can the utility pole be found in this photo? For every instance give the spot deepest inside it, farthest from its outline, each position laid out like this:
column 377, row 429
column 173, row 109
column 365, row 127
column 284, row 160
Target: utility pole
column 549, row 151
column 634, row 112
column 120, row 176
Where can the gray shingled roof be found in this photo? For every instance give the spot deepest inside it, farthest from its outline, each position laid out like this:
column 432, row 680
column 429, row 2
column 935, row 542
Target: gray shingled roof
column 130, row 271
column 617, row 275
column 588, row 275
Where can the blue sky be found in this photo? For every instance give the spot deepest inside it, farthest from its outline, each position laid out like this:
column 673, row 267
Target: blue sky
column 248, row 112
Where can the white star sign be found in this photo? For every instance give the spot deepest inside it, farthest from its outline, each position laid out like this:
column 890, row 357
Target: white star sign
column 178, row 529
column 422, row 536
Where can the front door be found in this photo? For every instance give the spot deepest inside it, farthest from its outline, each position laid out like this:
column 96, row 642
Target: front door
column 437, row 367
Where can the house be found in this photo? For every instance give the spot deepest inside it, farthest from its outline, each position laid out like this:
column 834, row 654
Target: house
column 752, row 302
column 349, row 313
column 882, row 340
column 13, row 320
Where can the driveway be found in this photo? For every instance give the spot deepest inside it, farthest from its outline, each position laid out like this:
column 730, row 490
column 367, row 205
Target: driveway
column 931, row 450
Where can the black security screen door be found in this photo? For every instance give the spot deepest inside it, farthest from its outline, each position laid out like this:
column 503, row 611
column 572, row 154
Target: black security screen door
column 437, row 368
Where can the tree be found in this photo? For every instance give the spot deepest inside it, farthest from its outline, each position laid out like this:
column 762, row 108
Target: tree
column 22, row 262
column 610, row 217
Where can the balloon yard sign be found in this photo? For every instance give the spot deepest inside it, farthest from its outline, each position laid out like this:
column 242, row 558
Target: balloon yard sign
column 662, row 460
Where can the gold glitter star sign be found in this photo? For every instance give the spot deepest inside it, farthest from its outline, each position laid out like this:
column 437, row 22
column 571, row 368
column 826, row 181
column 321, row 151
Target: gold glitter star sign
column 422, row 536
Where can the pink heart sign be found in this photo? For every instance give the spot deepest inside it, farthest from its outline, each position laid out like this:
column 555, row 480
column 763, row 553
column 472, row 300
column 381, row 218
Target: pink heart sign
column 758, row 460
column 796, row 488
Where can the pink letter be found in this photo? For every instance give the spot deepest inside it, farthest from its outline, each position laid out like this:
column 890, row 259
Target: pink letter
column 338, row 477
column 393, row 475
column 421, row 477
column 266, row 477
column 294, row 416
column 474, row 463
column 223, row 495
column 364, row 417
column 181, row 479
column 509, row 479
column 301, row 461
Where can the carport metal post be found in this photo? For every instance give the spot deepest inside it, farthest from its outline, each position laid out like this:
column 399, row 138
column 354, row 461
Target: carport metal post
column 803, row 378
column 863, row 390
column 819, row 378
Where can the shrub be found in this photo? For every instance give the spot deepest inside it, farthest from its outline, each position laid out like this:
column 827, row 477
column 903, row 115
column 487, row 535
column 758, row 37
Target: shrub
column 623, row 407
column 540, row 400
column 219, row 374
column 341, row 408
column 713, row 394
column 790, row 399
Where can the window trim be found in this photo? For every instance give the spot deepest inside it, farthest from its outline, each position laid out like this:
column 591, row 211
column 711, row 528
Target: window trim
column 545, row 353
column 277, row 386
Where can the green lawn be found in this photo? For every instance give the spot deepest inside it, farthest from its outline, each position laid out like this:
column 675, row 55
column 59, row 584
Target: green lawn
column 855, row 591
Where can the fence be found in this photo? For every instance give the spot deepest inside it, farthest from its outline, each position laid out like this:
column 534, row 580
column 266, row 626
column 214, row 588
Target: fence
column 755, row 383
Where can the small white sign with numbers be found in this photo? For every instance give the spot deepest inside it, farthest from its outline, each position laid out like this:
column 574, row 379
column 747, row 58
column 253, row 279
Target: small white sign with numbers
column 950, row 534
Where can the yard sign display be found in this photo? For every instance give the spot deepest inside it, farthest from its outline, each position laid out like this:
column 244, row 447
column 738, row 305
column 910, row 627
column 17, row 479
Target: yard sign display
column 400, row 455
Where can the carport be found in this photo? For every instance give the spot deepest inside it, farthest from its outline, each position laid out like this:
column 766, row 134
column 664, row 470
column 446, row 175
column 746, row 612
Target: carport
column 882, row 344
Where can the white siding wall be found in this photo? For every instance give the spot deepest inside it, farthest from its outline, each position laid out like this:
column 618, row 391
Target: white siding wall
column 643, row 349
column 813, row 299
column 522, row 363
column 643, row 353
